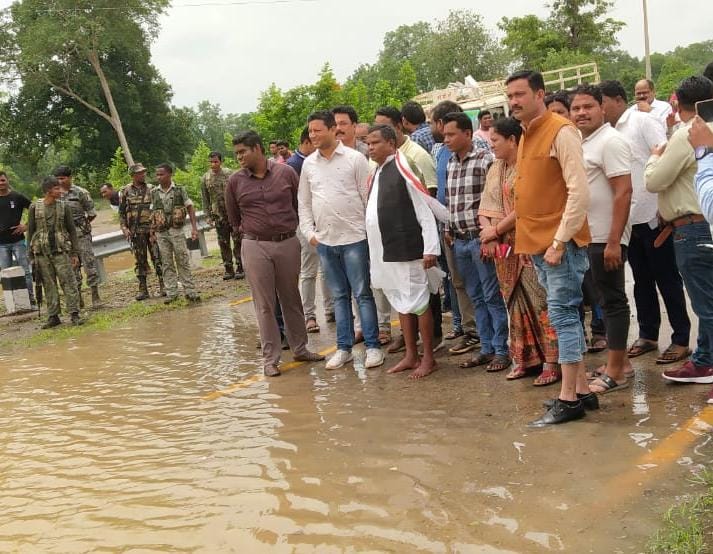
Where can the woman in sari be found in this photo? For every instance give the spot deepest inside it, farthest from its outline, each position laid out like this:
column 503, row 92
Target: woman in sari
column 533, row 341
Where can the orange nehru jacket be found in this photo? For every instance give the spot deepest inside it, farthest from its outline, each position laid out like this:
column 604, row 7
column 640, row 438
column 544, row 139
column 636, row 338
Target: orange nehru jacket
column 540, row 189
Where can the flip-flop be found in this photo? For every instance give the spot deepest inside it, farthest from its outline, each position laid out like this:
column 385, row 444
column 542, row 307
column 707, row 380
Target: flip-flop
column 609, row 384
column 312, row 326
column 641, row 347
column 548, row 376
column 672, row 354
column 480, row 359
column 599, row 344
column 596, row 374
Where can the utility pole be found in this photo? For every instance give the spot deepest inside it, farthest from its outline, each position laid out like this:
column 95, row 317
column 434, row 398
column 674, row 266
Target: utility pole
column 647, row 51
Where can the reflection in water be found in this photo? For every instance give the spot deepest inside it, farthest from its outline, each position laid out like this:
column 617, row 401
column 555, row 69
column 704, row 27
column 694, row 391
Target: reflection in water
column 109, row 444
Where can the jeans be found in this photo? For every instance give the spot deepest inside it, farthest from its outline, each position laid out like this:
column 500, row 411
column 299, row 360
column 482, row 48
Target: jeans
column 346, row 268
column 696, row 267
column 18, row 251
column 481, row 284
column 563, row 284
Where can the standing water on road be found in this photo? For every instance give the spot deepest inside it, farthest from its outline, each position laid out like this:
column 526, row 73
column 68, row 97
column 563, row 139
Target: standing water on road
column 163, row 437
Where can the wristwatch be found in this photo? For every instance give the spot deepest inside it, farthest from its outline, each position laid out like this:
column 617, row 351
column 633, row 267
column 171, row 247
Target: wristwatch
column 557, row 244
column 703, row 151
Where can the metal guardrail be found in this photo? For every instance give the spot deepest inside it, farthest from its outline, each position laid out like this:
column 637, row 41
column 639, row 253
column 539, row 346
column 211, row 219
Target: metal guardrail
column 108, row 244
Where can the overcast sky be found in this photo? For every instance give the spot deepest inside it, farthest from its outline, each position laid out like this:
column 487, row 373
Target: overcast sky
column 228, row 51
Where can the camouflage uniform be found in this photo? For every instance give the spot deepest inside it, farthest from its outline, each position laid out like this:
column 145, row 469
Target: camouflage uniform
column 135, row 215
column 81, row 206
column 213, row 192
column 168, row 215
column 53, row 240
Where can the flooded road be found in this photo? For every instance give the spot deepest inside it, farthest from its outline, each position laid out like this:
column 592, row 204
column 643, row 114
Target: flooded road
column 163, row 437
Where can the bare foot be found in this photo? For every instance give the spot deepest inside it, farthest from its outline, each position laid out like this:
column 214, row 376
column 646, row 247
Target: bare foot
column 404, row 364
column 423, row 370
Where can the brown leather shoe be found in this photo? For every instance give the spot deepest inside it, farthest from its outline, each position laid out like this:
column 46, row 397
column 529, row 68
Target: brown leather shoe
column 309, row 357
column 272, row 371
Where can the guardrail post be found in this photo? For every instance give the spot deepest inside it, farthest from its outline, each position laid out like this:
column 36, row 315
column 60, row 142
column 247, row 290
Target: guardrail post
column 101, row 270
column 203, row 244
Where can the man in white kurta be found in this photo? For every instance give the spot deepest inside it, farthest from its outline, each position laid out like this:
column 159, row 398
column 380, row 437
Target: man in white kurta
column 403, row 246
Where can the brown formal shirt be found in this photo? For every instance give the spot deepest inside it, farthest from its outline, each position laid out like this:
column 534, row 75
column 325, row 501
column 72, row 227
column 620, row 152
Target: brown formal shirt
column 263, row 207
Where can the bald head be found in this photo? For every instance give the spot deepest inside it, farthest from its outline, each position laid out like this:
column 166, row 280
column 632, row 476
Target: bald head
column 644, row 90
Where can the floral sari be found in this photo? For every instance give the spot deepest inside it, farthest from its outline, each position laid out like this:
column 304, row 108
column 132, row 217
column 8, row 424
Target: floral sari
column 533, row 341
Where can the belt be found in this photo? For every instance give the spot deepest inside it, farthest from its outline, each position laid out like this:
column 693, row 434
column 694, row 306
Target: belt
column 687, row 219
column 465, row 235
column 273, row 238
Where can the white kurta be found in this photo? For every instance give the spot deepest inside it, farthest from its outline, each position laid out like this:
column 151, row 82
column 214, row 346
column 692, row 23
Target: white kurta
column 406, row 285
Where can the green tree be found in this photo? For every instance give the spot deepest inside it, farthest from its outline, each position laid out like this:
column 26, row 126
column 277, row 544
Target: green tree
column 118, row 173
column 673, row 71
column 191, row 176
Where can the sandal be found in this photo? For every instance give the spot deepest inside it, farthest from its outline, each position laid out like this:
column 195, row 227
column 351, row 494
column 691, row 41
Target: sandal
column 641, row 347
column 454, row 334
column 519, row 372
column 601, row 370
column 499, row 363
column 312, row 326
column 599, row 344
column 384, row 338
column 480, row 359
column 549, row 376
column 608, row 384
column 674, row 353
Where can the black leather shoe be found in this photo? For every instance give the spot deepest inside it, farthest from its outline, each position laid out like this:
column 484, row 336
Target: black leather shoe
column 589, row 401
column 76, row 320
column 53, row 321
column 559, row 413
column 228, row 275
column 309, row 357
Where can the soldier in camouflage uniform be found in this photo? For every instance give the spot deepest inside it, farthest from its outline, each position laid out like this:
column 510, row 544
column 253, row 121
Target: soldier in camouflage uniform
column 135, row 220
column 80, row 203
column 54, row 250
column 169, row 204
column 213, row 192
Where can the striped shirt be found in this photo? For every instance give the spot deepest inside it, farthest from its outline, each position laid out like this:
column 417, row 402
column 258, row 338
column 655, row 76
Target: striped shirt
column 464, row 188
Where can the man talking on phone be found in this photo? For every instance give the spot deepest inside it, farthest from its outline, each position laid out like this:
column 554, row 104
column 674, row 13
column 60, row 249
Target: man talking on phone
column 670, row 173
column 646, row 101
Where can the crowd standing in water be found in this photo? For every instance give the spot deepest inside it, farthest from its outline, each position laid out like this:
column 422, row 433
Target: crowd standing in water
column 513, row 224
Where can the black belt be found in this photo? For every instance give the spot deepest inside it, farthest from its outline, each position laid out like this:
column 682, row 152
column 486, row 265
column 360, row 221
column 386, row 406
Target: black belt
column 273, row 238
column 465, row 235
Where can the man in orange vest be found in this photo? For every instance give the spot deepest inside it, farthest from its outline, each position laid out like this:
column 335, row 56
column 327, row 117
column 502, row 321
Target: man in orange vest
column 551, row 201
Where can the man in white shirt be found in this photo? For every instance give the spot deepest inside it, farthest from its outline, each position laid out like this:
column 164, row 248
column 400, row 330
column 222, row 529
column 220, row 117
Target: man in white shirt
column 332, row 209
column 646, row 101
column 607, row 161
column 651, row 266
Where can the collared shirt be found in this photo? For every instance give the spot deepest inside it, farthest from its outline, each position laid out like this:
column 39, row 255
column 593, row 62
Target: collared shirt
column 332, row 196
column 485, row 135
column 80, row 203
column 606, row 155
column 264, row 206
column 671, row 175
column 465, row 184
column 423, row 137
column 422, row 160
column 170, row 191
column 643, row 132
column 659, row 109
column 296, row 160
column 441, row 156
column 704, row 186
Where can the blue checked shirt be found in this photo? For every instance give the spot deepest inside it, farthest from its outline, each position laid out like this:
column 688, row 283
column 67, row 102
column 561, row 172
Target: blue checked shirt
column 423, row 136
column 704, row 186
column 464, row 188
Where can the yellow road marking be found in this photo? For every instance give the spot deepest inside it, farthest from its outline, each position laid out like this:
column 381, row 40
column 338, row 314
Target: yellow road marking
column 241, row 301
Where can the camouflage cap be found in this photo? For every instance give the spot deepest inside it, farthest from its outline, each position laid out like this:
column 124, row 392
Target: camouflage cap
column 137, row 168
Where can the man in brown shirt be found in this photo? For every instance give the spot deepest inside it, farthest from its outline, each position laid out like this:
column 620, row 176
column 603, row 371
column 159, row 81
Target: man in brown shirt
column 261, row 202
column 551, row 200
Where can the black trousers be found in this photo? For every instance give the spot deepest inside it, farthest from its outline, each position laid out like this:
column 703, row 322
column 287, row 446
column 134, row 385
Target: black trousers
column 610, row 285
column 656, row 267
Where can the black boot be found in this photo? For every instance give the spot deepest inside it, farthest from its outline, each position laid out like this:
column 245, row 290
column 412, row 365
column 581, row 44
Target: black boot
column 76, row 320
column 229, row 273
column 53, row 321
column 143, row 290
column 239, row 271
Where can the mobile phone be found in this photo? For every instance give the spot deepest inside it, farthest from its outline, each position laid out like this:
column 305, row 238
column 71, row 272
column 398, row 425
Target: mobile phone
column 704, row 109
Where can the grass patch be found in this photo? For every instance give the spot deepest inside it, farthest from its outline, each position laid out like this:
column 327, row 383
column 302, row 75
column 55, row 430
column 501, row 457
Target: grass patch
column 213, row 259
column 688, row 526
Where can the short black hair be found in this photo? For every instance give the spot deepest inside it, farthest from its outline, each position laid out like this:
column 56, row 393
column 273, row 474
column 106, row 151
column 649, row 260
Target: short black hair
column 708, row 71
column 413, row 113
column 386, row 131
column 3, row 174
column 612, row 89
column 304, row 135
column 62, row 171
column 324, row 116
column 589, row 90
column 250, row 139
column 694, row 89
column 462, row 120
column 443, row 108
column 534, row 79
column 166, row 167
column 271, row 142
column 48, row 183
column 561, row 96
column 349, row 110
column 392, row 113
column 215, row 154
column 483, row 113
column 508, row 127
column 283, row 142
column 108, row 185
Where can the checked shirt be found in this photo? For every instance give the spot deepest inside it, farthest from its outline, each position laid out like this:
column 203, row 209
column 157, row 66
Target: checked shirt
column 465, row 184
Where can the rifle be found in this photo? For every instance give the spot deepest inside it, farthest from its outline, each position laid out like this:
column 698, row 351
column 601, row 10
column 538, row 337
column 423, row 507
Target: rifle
column 37, row 278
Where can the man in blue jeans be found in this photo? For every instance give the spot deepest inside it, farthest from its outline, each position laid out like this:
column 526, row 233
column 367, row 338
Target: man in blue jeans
column 551, row 202
column 12, row 231
column 467, row 169
column 332, row 208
